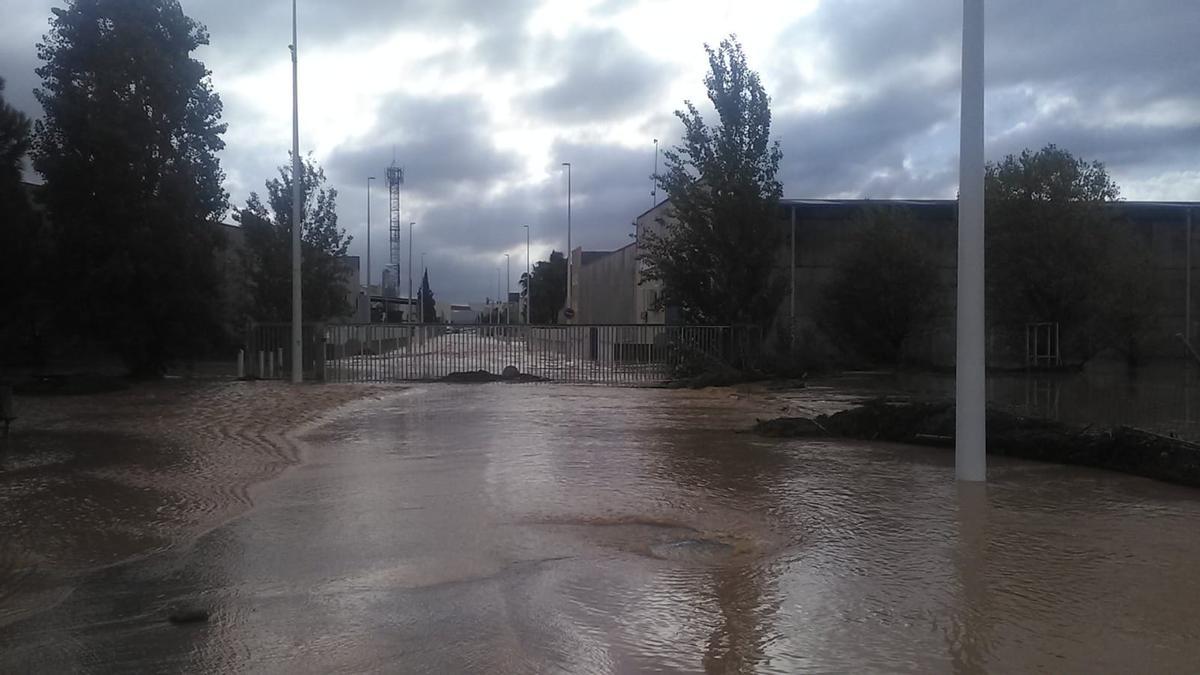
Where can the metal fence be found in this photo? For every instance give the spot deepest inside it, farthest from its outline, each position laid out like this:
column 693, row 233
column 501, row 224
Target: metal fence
column 267, row 353
column 603, row 354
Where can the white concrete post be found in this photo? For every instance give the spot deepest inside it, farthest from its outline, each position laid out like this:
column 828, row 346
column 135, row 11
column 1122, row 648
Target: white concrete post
column 271, row 364
column 261, row 360
column 297, row 177
column 970, row 459
column 241, row 364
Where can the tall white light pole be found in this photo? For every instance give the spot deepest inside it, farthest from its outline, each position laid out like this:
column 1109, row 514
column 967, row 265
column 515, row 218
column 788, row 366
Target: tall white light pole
column 507, row 288
column 568, row 300
column 528, row 281
column 970, row 440
column 297, row 318
column 369, row 179
column 412, row 315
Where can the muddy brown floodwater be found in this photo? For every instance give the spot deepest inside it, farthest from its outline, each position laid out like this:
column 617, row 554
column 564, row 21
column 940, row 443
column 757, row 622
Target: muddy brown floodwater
column 543, row 528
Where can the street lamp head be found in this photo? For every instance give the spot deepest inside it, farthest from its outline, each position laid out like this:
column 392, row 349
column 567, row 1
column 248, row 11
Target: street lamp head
column 370, row 177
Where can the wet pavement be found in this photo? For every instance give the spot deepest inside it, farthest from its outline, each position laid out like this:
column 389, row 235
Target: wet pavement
column 503, row 528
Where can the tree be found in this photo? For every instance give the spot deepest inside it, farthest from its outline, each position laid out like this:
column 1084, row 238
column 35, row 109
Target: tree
column 883, row 289
column 428, row 304
column 268, row 252
column 1055, row 253
column 24, row 247
column 715, row 251
column 547, row 290
column 128, row 148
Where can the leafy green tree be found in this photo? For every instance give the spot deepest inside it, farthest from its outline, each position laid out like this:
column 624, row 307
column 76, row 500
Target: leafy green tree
column 714, row 252
column 14, row 144
column 884, row 288
column 428, row 304
column 547, row 288
column 128, row 148
column 24, row 247
column 1055, row 253
column 268, row 252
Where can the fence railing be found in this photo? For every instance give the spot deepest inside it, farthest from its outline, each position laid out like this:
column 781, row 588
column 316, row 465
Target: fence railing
column 605, row 354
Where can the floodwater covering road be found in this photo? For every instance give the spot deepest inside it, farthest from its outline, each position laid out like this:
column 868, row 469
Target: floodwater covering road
column 544, row 528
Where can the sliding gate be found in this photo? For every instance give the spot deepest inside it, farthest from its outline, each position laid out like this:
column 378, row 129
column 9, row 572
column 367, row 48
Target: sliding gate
column 606, row 354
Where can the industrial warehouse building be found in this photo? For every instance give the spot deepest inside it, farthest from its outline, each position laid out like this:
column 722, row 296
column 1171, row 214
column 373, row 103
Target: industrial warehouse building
column 607, row 287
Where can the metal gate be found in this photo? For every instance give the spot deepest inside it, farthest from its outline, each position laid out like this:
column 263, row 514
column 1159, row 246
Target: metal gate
column 604, row 354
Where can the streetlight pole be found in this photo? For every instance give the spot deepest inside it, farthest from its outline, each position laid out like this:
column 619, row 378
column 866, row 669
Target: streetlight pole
column 297, row 311
column 507, row 289
column 528, row 281
column 654, row 178
column 369, row 179
column 410, row 295
column 421, row 288
column 970, row 458
column 568, row 301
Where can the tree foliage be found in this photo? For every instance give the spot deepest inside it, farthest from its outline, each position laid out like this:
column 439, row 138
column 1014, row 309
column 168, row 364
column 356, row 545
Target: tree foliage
column 884, row 288
column 547, row 293
column 267, row 255
column 24, row 247
column 714, row 252
column 1055, row 253
column 428, row 305
column 128, row 148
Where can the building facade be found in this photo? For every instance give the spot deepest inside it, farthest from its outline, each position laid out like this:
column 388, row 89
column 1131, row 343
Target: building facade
column 817, row 233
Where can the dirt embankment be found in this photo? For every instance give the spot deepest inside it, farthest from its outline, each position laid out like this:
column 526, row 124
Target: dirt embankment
column 1124, row 449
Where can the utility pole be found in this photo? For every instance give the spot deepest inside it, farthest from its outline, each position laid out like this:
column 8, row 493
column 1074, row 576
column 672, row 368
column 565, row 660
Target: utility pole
column 568, row 300
column 970, row 440
column 297, row 308
column 1187, row 282
column 410, row 292
column 654, row 178
column 369, row 179
column 792, row 314
column 528, row 281
column 507, row 289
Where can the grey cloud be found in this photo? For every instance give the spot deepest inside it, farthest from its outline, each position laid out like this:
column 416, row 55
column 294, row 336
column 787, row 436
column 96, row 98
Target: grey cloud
column 443, row 143
column 826, row 154
column 601, row 77
column 243, row 31
column 1106, row 57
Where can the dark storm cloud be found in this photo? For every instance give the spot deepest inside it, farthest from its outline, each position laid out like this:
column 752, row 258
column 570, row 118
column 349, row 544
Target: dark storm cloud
column 1112, row 59
column 838, row 152
column 601, row 76
column 444, row 144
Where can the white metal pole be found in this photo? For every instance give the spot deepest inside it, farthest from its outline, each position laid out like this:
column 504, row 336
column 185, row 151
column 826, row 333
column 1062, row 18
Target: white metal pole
column 568, row 300
column 528, row 282
column 1187, row 281
column 792, row 315
column 369, row 179
column 411, row 314
column 297, row 317
column 970, row 368
column 654, row 178
column 507, row 288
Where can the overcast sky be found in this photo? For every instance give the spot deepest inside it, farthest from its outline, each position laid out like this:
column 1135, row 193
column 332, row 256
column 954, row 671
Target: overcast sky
column 481, row 100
